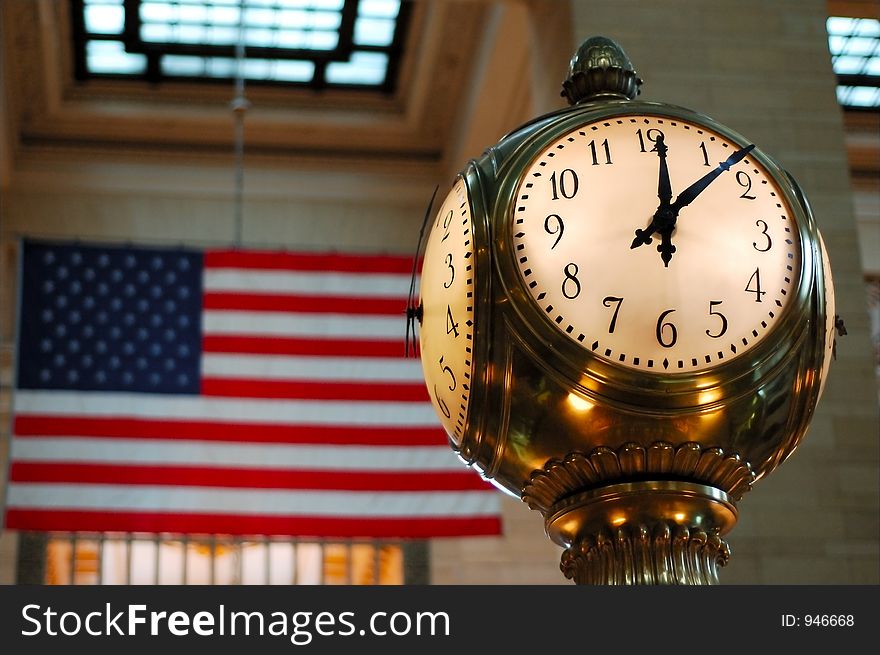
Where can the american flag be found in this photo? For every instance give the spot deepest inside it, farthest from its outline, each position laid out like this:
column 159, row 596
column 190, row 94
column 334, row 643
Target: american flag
column 227, row 392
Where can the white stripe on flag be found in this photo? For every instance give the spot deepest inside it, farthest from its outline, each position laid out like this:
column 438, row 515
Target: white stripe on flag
column 373, row 504
column 231, row 410
column 148, row 452
column 290, row 324
column 277, row 367
column 366, row 285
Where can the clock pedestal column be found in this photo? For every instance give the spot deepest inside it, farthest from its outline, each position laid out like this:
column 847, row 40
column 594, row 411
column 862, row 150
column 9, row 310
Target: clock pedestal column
column 655, row 514
column 651, row 532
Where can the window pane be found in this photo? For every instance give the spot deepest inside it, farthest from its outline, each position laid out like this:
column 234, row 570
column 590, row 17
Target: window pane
column 384, row 8
column 157, row 32
column 226, row 562
column 309, row 559
column 198, row 563
column 840, row 25
column 363, row 68
column 224, row 15
column 86, row 562
column 221, row 67
column 281, row 563
column 111, row 57
column 171, row 562
column 335, row 564
column 158, row 11
column 859, row 96
column 182, row 65
column 253, row 563
column 294, row 71
column 363, row 564
column 848, row 65
column 259, row 38
column 143, row 562
column 58, row 553
column 259, row 17
column 193, row 14
column 104, row 19
column 373, row 31
column 391, row 565
column 114, row 562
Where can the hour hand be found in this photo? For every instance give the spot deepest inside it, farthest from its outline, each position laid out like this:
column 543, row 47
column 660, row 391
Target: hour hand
column 666, row 248
column 664, row 193
column 664, row 187
column 643, row 237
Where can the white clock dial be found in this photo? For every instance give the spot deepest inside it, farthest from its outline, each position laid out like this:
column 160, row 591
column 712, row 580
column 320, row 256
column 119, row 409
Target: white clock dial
column 732, row 256
column 447, row 297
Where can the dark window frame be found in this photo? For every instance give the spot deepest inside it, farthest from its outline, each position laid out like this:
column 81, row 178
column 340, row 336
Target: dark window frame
column 321, row 58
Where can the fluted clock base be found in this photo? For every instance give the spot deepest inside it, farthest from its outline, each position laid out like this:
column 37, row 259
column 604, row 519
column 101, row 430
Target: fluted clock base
column 643, row 533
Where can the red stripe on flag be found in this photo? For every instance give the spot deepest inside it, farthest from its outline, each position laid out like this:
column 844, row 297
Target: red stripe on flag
column 278, row 302
column 314, row 390
column 296, row 346
column 237, row 524
column 242, row 478
column 126, row 428
column 321, row 262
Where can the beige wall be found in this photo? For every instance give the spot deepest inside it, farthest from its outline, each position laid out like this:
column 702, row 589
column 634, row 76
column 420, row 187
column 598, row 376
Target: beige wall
column 760, row 67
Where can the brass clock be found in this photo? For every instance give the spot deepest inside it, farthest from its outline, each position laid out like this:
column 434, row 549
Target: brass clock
column 627, row 317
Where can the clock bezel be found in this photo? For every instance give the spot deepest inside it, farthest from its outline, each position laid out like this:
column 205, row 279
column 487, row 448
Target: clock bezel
column 591, row 372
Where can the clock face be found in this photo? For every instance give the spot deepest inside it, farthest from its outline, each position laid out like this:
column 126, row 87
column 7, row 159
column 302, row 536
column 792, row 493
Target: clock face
column 667, row 264
column 447, row 297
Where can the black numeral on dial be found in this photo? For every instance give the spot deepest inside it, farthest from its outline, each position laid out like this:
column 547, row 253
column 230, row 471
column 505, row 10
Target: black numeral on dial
column 604, row 145
column 567, row 185
column 756, row 289
column 571, row 286
column 451, row 325
column 763, row 225
column 722, row 317
column 743, row 179
column 441, row 404
column 666, row 337
column 651, row 135
column 446, row 285
column 449, row 372
column 705, row 154
column 553, row 225
column 608, row 301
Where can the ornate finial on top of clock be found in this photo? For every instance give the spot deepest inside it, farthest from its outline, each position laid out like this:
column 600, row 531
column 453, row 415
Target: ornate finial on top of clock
column 600, row 69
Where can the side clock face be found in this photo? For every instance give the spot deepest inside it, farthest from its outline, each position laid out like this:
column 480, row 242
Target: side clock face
column 656, row 243
column 447, row 298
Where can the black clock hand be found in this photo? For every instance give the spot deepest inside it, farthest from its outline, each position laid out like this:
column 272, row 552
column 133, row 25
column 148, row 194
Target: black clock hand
column 687, row 196
column 664, row 193
column 413, row 311
column 666, row 248
column 666, row 215
column 664, row 187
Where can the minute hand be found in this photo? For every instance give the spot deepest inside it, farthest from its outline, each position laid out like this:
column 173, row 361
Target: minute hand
column 687, row 196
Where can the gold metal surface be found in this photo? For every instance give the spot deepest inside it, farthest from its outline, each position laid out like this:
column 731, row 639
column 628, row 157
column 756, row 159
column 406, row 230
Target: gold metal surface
column 628, row 467
column 650, row 532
